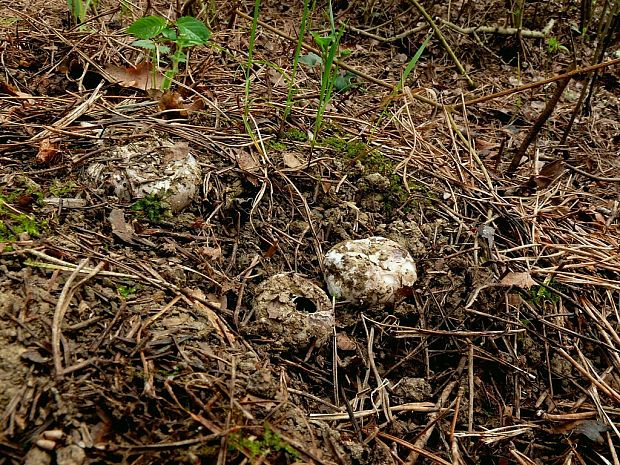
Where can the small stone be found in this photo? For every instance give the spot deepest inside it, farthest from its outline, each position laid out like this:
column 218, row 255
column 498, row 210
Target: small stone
column 70, row 455
column 261, row 383
column 45, row 444
column 36, row 456
column 413, row 389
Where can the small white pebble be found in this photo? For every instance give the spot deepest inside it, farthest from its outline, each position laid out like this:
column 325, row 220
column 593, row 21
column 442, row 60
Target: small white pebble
column 45, row 444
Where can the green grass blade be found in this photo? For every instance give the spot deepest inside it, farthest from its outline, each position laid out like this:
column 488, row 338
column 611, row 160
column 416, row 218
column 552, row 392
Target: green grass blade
column 414, row 61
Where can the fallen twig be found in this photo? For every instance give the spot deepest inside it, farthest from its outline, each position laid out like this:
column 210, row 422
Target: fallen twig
column 443, row 41
column 506, row 31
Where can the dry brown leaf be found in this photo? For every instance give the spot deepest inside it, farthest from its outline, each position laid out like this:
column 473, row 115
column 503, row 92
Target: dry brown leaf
column 344, row 342
column 291, row 160
column 592, row 429
column 170, row 100
column 485, row 147
column 549, row 173
column 211, row 253
column 246, row 161
column 175, row 152
column 258, row 401
column 216, row 322
column 520, row 279
column 326, row 185
column 48, row 152
column 138, row 77
column 275, row 78
column 120, row 228
column 6, row 88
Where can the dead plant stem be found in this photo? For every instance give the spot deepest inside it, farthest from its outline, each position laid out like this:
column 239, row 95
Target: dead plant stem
column 538, row 125
column 444, row 42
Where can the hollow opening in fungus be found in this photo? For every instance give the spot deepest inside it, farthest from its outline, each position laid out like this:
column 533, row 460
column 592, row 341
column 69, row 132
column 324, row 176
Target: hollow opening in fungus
column 303, row 304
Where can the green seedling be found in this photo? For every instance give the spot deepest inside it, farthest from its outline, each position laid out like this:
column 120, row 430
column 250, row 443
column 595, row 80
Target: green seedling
column 403, row 80
column 413, row 62
column 329, row 46
column 247, row 70
column 554, row 46
column 296, row 58
column 125, row 291
column 344, row 81
column 166, row 39
column 79, row 8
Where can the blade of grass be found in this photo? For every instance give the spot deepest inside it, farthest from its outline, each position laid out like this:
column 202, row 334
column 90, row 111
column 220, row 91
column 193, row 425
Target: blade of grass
column 413, row 62
column 250, row 62
column 300, row 41
column 401, row 84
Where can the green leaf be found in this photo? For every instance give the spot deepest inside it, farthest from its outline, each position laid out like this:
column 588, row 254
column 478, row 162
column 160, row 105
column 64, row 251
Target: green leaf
column 163, row 49
column 193, row 31
column 412, row 63
column 147, row 27
column 169, row 34
column 179, row 57
column 342, row 83
column 322, row 42
column 311, row 59
column 144, row 43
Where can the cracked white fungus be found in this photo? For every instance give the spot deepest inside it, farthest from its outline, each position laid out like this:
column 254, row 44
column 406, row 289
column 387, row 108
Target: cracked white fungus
column 372, row 271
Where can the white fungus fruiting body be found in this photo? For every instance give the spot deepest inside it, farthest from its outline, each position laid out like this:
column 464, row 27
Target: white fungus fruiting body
column 292, row 311
column 372, row 271
column 151, row 166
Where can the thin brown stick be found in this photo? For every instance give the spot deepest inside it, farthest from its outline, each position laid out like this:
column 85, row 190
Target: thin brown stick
column 506, row 31
column 430, row 427
column 414, row 449
column 608, row 390
column 533, row 85
column 444, row 42
column 61, row 308
column 470, row 380
column 538, row 125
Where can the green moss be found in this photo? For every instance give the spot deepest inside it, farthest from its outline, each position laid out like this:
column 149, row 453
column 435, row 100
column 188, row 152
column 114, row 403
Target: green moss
column 348, row 148
column 296, row 135
column 61, row 189
column 152, row 207
column 209, row 451
column 540, row 294
column 126, row 291
column 276, row 145
column 13, row 224
column 395, row 195
column 271, row 442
